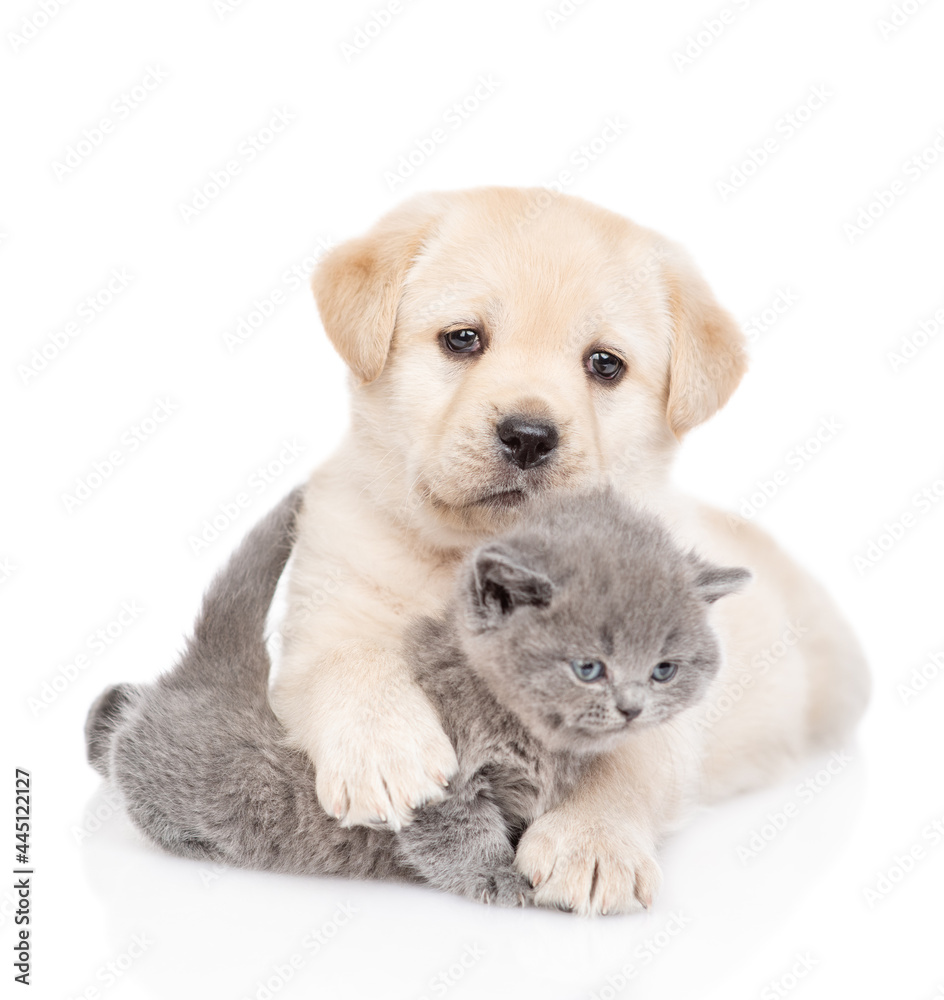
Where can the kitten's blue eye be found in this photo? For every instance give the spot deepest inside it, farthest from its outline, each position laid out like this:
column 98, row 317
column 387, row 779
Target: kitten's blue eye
column 588, row 670
column 664, row 672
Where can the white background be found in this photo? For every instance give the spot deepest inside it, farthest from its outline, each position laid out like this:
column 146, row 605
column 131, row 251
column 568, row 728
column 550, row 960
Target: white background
column 827, row 357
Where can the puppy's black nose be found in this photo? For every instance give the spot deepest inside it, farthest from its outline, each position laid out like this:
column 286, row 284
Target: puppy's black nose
column 527, row 442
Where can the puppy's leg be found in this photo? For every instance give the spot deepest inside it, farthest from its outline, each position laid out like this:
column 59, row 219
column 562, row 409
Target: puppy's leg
column 795, row 669
column 376, row 741
column 595, row 852
column 838, row 680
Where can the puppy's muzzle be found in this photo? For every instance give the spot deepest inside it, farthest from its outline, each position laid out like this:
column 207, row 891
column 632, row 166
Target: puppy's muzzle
column 527, row 442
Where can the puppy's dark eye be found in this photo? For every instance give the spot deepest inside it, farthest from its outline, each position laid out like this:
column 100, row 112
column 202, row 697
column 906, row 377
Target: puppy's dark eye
column 664, row 672
column 462, row 341
column 604, row 365
column 588, row 670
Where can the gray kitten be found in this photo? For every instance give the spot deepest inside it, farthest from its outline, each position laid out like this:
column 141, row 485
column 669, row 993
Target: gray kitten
column 573, row 630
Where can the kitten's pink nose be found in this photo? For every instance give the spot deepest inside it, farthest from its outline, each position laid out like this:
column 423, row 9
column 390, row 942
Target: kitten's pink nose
column 629, row 712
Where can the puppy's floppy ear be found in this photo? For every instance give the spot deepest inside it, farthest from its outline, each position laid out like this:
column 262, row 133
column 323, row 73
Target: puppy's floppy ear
column 357, row 285
column 499, row 584
column 708, row 356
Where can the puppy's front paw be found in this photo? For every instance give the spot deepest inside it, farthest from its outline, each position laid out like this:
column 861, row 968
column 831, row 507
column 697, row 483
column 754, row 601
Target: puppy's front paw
column 377, row 774
column 587, row 869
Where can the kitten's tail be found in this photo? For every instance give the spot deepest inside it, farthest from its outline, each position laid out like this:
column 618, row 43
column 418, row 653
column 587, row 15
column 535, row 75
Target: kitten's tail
column 104, row 717
column 229, row 643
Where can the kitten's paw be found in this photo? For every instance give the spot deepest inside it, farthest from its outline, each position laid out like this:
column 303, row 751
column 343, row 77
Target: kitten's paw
column 505, row 888
column 587, row 869
column 377, row 774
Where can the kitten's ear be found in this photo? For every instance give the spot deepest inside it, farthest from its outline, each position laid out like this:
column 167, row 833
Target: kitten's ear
column 714, row 582
column 500, row 584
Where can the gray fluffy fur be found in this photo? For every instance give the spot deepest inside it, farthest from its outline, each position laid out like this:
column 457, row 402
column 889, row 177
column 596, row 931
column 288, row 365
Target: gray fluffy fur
column 202, row 764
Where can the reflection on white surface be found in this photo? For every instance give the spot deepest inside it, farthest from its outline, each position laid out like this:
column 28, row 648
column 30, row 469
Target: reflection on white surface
column 220, row 932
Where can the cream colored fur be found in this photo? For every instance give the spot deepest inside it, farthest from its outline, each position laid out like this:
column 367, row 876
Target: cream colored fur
column 386, row 519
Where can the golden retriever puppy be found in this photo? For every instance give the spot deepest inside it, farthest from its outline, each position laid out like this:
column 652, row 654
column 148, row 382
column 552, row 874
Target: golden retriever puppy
column 503, row 343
